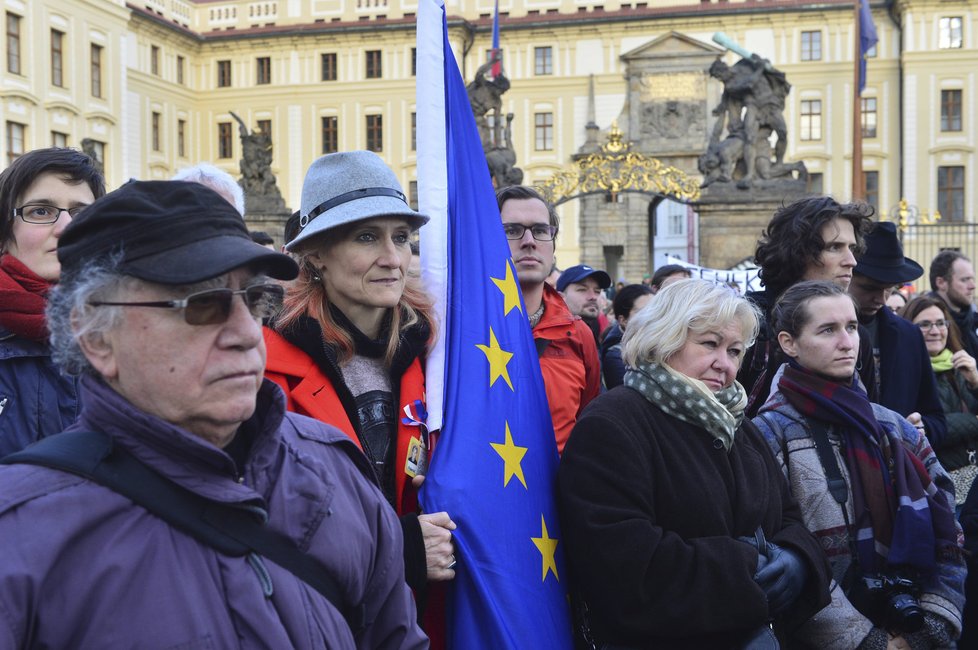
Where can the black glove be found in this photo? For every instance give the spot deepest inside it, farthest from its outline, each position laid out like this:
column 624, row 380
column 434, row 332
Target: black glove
column 937, row 633
column 782, row 578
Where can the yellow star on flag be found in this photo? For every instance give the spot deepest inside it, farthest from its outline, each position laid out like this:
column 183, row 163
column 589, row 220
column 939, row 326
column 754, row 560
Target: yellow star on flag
column 498, row 358
column 509, row 289
column 512, row 456
column 548, row 548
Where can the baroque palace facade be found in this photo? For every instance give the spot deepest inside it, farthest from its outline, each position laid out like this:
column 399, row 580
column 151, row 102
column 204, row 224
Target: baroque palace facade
column 150, row 85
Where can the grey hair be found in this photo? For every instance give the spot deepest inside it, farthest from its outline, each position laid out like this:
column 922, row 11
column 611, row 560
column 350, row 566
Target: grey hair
column 217, row 179
column 660, row 329
column 69, row 316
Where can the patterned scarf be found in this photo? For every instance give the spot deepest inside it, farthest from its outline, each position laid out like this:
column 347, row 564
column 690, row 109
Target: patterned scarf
column 901, row 518
column 23, row 296
column 942, row 362
column 690, row 400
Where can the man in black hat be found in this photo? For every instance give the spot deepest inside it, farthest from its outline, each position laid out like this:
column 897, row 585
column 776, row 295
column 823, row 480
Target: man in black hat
column 204, row 513
column 904, row 380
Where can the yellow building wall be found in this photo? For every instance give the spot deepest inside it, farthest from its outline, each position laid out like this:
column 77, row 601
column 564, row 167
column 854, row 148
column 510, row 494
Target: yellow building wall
column 586, row 39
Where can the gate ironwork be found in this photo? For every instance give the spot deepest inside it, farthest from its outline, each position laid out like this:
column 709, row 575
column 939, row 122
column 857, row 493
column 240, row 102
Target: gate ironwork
column 921, row 242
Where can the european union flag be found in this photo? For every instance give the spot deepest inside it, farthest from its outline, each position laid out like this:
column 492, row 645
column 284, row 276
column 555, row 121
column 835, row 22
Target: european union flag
column 867, row 39
column 494, row 467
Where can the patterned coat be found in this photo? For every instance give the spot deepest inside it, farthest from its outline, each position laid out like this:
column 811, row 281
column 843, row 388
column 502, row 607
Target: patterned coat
column 840, row 625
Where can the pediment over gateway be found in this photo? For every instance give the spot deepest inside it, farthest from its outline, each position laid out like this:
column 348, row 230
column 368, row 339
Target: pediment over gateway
column 670, row 45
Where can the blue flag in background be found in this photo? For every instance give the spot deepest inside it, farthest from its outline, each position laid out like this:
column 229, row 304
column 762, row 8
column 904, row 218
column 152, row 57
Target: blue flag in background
column 867, row 39
column 494, row 467
column 497, row 67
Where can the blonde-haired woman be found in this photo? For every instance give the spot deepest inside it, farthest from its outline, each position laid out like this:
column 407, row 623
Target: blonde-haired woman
column 349, row 346
column 663, row 483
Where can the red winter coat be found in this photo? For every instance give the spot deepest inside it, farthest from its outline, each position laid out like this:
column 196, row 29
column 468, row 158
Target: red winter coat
column 568, row 361
column 310, row 392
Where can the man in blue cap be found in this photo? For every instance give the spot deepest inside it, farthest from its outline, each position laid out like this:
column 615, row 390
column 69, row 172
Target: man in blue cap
column 581, row 288
column 903, row 375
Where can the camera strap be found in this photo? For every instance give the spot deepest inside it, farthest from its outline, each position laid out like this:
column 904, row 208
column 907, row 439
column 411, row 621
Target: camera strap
column 837, row 485
column 833, row 475
column 228, row 529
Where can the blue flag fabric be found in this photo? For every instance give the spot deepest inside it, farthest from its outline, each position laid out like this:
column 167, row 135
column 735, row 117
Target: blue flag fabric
column 494, row 467
column 867, row 39
column 497, row 67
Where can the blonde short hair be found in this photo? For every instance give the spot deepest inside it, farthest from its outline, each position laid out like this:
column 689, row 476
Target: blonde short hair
column 681, row 308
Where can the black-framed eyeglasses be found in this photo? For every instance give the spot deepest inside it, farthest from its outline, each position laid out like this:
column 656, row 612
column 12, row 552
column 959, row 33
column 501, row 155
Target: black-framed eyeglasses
column 925, row 325
column 42, row 213
column 540, row 231
column 213, row 307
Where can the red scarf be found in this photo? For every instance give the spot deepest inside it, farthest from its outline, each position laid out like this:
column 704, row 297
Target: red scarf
column 23, row 296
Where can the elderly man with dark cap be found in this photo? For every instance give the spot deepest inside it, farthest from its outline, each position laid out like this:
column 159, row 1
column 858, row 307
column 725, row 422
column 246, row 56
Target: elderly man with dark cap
column 904, row 380
column 185, row 508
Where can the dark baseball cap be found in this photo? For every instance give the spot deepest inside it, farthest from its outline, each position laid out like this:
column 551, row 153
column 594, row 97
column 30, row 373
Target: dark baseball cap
column 170, row 232
column 579, row 273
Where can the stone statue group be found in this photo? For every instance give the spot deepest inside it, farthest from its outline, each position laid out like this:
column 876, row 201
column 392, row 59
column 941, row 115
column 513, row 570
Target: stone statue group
column 751, row 109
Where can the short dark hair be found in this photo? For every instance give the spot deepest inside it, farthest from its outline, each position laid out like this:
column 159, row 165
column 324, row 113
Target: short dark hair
column 665, row 271
column 626, row 296
column 525, row 192
column 790, row 313
column 72, row 164
column 920, row 303
column 261, row 237
column 942, row 264
column 792, row 241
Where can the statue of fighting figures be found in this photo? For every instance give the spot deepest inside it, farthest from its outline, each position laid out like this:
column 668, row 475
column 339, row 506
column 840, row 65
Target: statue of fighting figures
column 751, row 109
column 257, row 179
column 485, row 95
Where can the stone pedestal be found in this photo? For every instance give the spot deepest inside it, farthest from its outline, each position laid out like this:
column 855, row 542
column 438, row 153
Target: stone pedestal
column 273, row 224
column 732, row 220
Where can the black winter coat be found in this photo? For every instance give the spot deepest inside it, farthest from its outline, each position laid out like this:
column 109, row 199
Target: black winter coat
column 651, row 508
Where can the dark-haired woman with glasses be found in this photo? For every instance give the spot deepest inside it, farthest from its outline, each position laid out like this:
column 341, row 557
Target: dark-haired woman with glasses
column 40, row 193
column 957, row 387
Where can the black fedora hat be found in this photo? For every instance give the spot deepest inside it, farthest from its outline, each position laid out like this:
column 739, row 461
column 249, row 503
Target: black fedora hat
column 883, row 260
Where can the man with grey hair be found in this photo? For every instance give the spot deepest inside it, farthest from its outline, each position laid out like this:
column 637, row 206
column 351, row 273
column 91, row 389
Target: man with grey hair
column 218, row 180
column 186, row 508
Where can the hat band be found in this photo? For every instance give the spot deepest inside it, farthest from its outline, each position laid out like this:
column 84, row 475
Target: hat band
column 304, row 220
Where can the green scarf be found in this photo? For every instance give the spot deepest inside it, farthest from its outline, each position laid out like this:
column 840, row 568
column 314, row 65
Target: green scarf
column 942, row 362
column 690, row 400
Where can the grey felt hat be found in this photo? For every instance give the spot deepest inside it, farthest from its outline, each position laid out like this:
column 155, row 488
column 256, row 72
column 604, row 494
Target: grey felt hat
column 341, row 188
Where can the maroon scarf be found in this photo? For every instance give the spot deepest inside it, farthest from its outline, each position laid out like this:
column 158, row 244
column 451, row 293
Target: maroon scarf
column 23, row 297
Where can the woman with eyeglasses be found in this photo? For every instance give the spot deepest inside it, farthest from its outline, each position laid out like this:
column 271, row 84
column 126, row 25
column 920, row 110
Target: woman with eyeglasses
column 349, row 345
column 40, row 193
column 957, row 387
column 869, row 485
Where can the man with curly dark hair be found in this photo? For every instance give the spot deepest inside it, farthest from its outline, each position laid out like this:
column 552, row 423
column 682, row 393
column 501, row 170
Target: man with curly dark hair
column 815, row 238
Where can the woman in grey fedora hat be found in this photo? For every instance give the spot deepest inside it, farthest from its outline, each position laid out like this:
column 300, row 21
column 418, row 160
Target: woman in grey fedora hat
column 349, row 346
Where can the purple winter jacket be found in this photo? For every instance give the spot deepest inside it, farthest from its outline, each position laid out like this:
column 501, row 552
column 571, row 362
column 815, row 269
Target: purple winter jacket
column 82, row 567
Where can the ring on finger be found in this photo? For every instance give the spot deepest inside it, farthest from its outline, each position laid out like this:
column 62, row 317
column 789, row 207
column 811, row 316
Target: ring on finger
column 452, row 564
